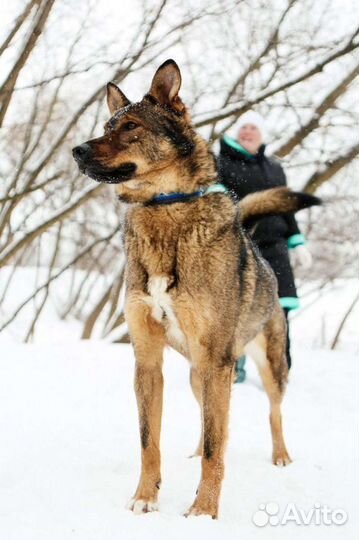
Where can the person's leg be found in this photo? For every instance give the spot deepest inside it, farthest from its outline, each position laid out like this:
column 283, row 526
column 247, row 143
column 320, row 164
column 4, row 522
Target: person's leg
column 239, row 370
column 277, row 255
column 289, row 358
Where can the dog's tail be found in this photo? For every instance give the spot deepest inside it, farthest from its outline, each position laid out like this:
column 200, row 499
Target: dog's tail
column 279, row 200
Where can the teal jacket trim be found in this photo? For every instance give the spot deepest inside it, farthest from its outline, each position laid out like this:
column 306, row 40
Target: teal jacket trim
column 296, row 240
column 216, row 188
column 235, row 144
column 289, row 302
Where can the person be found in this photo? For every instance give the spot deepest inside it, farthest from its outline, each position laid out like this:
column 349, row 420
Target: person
column 245, row 168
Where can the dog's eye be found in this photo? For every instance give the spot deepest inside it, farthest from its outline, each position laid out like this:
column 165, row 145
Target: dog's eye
column 129, row 126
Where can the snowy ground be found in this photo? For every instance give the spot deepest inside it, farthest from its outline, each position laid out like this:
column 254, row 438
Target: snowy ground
column 69, row 454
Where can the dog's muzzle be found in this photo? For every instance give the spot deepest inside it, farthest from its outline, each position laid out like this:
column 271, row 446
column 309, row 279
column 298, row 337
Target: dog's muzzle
column 83, row 156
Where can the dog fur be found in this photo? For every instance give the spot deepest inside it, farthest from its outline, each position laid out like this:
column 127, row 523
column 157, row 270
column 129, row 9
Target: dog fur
column 194, row 279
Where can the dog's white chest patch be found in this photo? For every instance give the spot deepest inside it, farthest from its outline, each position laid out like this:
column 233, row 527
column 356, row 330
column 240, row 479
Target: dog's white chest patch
column 162, row 308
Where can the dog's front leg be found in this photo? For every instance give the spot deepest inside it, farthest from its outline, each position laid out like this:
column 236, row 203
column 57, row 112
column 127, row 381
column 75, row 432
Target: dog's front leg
column 148, row 339
column 216, row 385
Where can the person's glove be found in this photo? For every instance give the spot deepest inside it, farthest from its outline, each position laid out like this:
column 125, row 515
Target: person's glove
column 302, row 256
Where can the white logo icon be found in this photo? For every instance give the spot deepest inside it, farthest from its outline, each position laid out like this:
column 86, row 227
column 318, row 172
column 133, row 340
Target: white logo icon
column 269, row 514
column 266, row 514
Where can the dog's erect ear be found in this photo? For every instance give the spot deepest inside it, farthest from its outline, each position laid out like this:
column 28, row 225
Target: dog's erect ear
column 166, row 84
column 115, row 98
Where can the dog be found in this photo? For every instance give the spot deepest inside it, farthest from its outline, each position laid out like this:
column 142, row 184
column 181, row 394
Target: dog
column 194, row 279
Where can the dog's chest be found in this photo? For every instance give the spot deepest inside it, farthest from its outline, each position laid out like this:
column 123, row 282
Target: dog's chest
column 163, row 310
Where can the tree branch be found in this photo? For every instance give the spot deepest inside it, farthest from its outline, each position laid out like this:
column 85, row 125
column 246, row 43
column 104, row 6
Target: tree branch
column 65, row 211
column 318, row 113
column 238, row 109
column 35, row 31
column 17, row 25
column 329, row 169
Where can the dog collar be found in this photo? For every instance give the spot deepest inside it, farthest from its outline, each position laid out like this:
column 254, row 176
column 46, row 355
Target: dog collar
column 168, row 198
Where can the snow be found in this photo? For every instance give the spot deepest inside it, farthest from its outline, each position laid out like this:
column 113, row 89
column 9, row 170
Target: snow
column 316, row 323
column 70, row 455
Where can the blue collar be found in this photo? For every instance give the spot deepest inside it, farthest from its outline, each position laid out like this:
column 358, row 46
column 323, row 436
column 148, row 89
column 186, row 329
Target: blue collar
column 168, row 198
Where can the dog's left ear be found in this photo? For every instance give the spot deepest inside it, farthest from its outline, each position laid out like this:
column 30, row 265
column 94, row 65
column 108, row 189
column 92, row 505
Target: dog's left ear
column 166, row 84
column 116, row 99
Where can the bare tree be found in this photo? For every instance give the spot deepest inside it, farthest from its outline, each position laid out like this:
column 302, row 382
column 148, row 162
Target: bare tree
column 283, row 57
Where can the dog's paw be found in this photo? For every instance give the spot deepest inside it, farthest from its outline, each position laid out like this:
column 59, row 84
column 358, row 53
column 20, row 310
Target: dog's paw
column 197, row 511
column 281, row 459
column 203, row 508
column 140, row 506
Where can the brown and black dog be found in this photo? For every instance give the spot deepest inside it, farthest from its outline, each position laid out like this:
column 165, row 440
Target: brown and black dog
column 194, row 279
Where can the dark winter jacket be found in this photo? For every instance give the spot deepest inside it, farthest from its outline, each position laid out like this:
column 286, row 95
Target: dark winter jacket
column 243, row 173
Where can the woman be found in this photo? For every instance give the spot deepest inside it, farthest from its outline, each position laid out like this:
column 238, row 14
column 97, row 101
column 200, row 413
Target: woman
column 244, row 168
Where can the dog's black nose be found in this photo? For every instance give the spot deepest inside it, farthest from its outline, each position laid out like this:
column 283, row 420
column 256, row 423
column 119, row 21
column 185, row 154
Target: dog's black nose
column 82, row 152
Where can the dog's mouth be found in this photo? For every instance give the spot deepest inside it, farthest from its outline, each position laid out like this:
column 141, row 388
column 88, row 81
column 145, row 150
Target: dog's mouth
column 110, row 176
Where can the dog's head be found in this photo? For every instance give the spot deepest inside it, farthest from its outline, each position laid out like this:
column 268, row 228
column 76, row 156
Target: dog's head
column 146, row 145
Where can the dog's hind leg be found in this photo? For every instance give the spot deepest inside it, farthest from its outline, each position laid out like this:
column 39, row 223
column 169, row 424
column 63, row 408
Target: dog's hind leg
column 148, row 340
column 268, row 352
column 215, row 383
column 196, row 385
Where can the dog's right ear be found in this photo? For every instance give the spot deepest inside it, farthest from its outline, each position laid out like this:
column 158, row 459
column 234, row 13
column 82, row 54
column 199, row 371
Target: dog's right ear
column 115, row 98
column 165, row 86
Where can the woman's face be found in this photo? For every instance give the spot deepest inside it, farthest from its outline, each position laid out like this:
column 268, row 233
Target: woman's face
column 250, row 138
